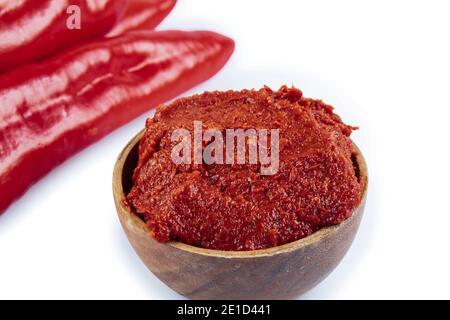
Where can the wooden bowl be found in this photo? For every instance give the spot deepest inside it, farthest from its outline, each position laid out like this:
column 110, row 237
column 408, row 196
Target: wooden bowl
column 281, row 272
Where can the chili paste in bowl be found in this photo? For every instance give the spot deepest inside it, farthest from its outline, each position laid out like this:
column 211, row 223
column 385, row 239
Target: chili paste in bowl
column 235, row 205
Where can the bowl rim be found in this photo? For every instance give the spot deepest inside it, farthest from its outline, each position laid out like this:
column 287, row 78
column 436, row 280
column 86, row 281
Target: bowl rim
column 119, row 195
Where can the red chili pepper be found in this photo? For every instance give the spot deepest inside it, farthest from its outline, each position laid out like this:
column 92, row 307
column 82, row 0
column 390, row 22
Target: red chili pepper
column 51, row 110
column 143, row 14
column 31, row 30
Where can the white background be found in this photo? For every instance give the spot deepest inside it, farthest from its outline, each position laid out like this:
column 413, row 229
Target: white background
column 384, row 65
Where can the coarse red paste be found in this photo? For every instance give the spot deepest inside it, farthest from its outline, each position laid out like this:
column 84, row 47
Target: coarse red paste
column 235, row 207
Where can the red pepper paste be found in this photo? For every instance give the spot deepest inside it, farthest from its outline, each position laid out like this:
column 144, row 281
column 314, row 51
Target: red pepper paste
column 235, row 207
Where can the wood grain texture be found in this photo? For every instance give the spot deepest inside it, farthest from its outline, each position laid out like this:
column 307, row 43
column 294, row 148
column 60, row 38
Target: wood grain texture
column 281, row 272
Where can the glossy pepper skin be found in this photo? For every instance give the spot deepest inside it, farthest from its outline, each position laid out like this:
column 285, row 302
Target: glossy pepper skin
column 143, row 14
column 31, row 30
column 50, row 111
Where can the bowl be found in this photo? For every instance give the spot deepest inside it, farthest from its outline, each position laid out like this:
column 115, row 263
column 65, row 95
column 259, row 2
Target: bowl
column 281, row 272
